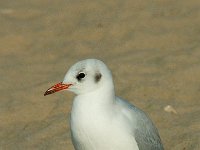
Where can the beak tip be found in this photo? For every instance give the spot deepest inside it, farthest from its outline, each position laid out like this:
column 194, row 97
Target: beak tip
column 45, row 94
column 48, row 92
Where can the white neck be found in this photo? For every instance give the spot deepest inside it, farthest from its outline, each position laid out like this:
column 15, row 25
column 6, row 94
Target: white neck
column 101, row 98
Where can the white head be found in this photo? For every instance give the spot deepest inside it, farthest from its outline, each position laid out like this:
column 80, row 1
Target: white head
column 85, row 76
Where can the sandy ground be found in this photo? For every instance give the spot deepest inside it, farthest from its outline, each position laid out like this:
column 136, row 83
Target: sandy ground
column 152, row 48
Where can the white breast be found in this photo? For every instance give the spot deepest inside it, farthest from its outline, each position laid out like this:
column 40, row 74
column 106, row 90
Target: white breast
column 96, row 129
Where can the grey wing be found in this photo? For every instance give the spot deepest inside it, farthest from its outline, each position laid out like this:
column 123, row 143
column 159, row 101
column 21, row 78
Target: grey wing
column 145, row 133
column 147, row 137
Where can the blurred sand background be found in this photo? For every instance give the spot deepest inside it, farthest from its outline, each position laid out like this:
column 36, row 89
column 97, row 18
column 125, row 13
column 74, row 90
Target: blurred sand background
column 152, row 48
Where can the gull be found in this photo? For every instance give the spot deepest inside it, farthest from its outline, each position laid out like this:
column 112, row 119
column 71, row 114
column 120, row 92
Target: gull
column 99, row 119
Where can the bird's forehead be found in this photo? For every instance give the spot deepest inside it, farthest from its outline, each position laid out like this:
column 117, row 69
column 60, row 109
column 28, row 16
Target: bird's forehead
column 84, row 66
column 75, row 70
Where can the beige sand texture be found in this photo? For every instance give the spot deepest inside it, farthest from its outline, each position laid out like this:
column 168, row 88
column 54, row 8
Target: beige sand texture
column 152, row 48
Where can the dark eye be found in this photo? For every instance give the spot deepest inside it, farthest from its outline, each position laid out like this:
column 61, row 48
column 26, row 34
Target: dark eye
column 80, row 76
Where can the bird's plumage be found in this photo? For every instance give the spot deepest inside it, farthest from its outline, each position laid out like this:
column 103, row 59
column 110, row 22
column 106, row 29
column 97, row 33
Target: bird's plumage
column 99, row 119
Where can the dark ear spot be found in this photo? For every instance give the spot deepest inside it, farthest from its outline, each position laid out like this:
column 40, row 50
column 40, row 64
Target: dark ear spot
column 97, row 77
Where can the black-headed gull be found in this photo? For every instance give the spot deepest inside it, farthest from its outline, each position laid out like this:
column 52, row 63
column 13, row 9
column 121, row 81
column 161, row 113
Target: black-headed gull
column 99, row 119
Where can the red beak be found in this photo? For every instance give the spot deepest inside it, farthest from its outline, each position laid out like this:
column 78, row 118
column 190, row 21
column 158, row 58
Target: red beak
column 57, row 87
